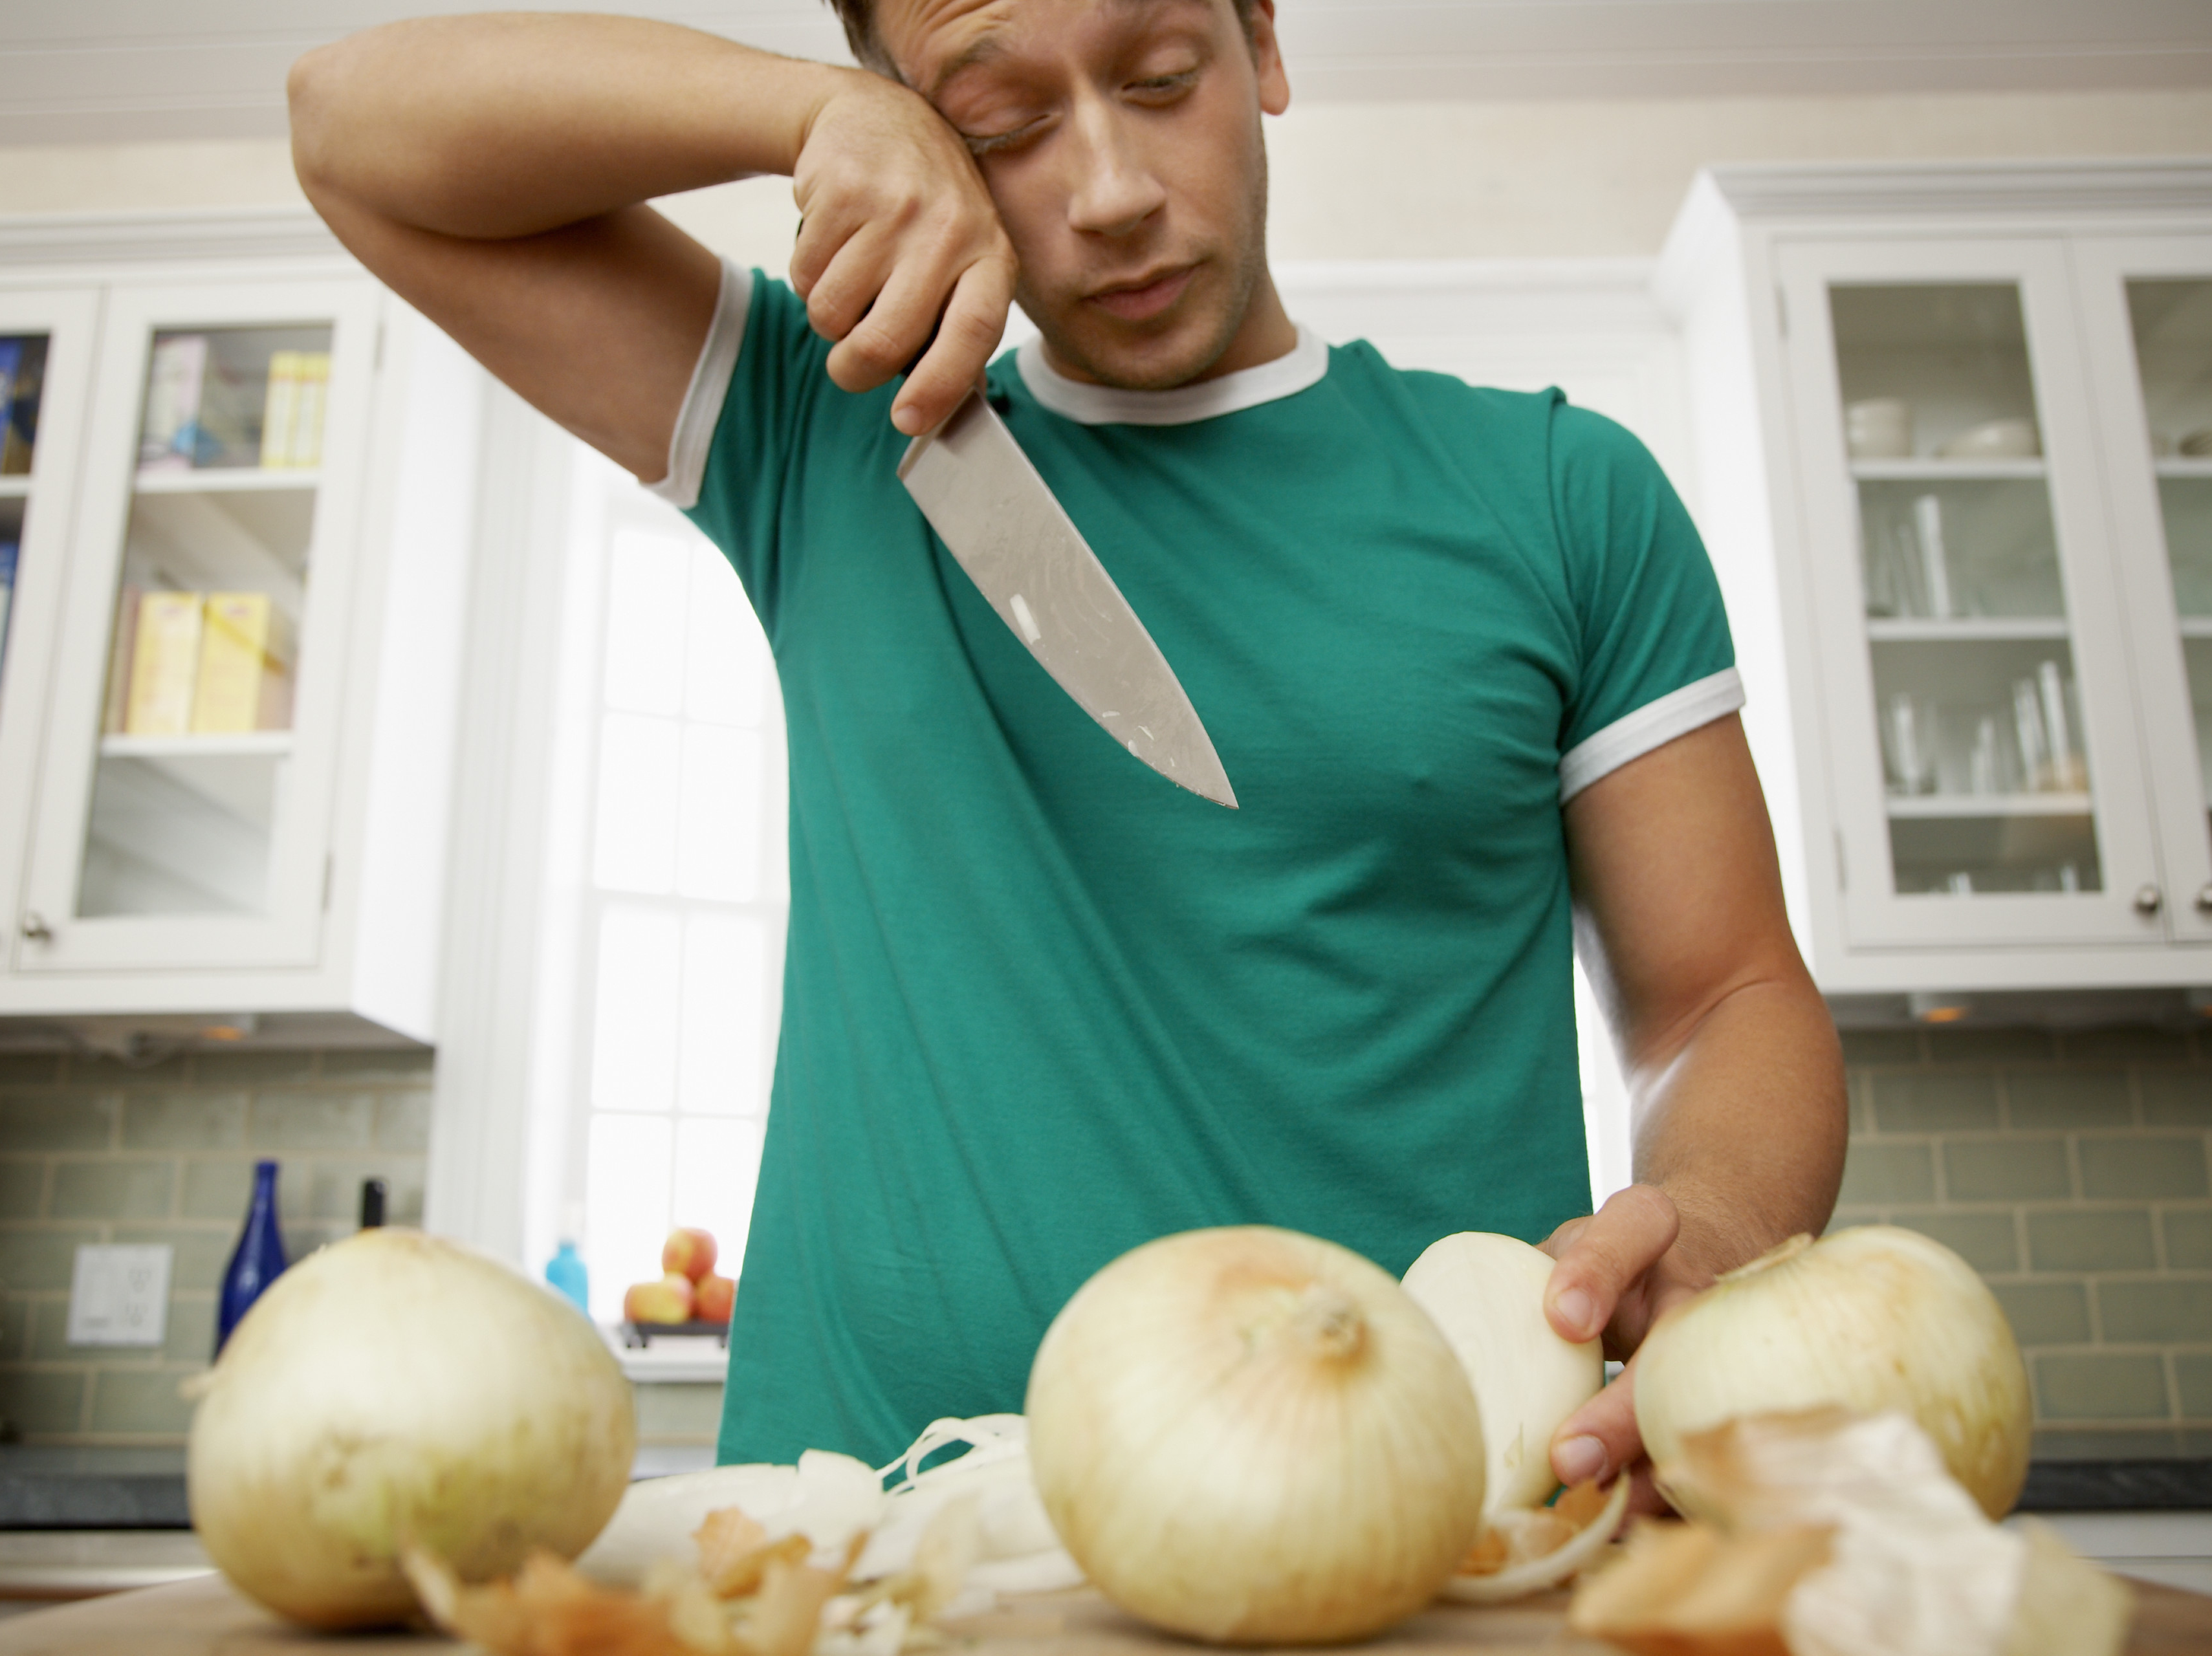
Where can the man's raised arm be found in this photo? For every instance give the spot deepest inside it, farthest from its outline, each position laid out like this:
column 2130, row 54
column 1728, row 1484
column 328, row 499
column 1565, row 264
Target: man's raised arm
column 491, row 170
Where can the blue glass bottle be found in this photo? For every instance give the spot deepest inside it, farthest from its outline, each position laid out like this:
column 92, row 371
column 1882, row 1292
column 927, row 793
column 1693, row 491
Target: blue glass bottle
column 259, row 1259
column 565, row 1271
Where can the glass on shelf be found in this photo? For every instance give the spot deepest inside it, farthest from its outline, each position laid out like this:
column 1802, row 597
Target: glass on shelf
column 2172, row 324
column 1986, row 762
column 188, row 793
column 22, row 374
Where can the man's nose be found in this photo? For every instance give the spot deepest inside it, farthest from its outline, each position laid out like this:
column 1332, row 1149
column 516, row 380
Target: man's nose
column 1114, row 191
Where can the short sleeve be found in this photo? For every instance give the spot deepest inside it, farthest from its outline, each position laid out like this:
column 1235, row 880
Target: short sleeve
column 765, row 424
column 1656, row 659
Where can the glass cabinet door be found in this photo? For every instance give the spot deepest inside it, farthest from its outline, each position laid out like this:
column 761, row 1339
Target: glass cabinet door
column 1987, row 782
column 2147, row 308
column 187, row 819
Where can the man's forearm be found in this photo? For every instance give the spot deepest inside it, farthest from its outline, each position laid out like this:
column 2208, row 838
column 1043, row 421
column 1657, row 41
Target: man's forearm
column 512, row 124
column 1744, row 1124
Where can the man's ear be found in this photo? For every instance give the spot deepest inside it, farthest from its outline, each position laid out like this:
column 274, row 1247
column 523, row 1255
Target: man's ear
column 1267, row 58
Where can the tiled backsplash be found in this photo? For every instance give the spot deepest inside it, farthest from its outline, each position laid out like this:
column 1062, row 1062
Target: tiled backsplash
column 2070, row 1170
column 94, row 1151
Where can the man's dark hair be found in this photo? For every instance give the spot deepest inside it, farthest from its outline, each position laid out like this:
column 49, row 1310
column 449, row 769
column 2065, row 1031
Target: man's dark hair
column 859, row 17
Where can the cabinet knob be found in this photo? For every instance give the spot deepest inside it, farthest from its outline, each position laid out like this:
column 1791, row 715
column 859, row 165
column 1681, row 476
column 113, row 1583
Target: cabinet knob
column 35, row 927
column 2147, row 899
column 2204, row 899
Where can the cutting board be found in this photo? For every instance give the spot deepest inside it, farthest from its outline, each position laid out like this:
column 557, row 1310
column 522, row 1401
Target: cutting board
column 205, row 1618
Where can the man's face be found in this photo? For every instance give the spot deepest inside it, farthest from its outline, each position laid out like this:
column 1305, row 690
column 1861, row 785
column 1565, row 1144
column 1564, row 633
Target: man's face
column 1121, row 140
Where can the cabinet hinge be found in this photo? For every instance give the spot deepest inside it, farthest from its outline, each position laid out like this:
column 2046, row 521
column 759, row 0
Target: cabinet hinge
column 1842, row 867
column 1781, row 308
column 329, row 870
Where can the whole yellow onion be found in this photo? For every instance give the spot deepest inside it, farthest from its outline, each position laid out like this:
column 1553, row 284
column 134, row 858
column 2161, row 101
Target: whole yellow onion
column 395, row 1388
column 1872, row 1319
column 1250, row 1436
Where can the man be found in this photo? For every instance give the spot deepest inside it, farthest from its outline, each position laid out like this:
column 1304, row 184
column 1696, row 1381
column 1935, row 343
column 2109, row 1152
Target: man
column 1459, row 653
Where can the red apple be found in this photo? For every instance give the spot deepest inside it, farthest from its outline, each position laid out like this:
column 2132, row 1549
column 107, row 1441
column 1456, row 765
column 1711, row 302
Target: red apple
column 689, row 1251
column 668, row 1300
column 712, row 1299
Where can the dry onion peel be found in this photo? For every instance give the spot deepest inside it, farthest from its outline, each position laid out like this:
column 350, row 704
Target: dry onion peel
column 1247, row 1435
column 1549, row 1570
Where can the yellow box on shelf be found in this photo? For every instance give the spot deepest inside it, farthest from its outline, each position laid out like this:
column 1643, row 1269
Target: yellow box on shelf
column 245, row 677
column 292, row 410
column 164, row 658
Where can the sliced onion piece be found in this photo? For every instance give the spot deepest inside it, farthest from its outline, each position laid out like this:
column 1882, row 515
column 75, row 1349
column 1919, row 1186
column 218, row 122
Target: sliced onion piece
column 1519, row 1580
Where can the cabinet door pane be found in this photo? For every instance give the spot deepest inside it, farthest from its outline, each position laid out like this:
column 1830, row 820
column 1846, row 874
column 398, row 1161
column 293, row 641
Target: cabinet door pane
column 1985, row 758
column 195, row 731
column 22, row 374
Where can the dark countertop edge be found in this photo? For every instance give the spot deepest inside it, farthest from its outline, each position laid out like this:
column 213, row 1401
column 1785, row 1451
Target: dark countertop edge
column 2090, row 1486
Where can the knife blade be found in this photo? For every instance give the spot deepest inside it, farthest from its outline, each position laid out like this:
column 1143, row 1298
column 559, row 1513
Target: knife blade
column 999, row 519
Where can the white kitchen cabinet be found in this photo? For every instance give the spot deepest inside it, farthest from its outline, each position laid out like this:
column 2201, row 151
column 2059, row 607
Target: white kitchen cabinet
column 1927, row 403
column 226, row 730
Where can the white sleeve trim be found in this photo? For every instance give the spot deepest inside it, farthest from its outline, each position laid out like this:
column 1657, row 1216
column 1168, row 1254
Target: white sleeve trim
column 1653, row 725
column 704, row 397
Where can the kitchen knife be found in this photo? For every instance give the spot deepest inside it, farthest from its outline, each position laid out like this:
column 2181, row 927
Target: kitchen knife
column 999, row 517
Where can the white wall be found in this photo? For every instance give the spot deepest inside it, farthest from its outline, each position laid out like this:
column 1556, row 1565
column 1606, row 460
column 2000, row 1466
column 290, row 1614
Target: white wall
column 1541, row 178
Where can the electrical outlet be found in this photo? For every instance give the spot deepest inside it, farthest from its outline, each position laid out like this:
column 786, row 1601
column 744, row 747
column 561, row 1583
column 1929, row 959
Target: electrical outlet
column 120, row 1295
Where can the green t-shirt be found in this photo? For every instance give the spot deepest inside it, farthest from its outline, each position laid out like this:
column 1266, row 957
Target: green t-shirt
column 1040, row 1005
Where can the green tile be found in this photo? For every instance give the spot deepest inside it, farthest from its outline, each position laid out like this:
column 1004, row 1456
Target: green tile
column 402, row 1121
column 2109, row 1239
column 22, row 1189
column 409, row 1065
column 119, row 1189
column 2176, row 1098
column 34, row 1260
column 1983, row 1240
column 142, row 1401
column 286, row 1068
column 1956, row 1045
column 2192, row 1384
column 2137, row 1166
column 2005, row 1169
column 87, row 1070
column 2189, row 1239
column 185, row 1121
column 221, row 1190
column 1881, row 1045
column 50, row 1341
column 2070, row 1098
column 201, row 1255
column 2100, row 1386
column 311, row 1121
column 1934, row 1101
column 189, row 1337
column 1848, row 1218
column 2166, row 1312
column 30, row 1069
column 69, row 1121
column 334, row 1192
column 1888, row 1172
column 42, row 1402
column 14, row 1327
column 2045, row 1314
column 2125, row 1043
column 686, row 1412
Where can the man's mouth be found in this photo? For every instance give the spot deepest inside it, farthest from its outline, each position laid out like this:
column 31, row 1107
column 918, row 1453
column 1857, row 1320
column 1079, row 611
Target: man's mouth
column 1145, row 298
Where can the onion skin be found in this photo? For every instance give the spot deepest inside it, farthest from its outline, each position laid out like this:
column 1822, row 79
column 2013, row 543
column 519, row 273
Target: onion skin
column 1873, row 1317
column 1249, row 1435
column 395, row 1388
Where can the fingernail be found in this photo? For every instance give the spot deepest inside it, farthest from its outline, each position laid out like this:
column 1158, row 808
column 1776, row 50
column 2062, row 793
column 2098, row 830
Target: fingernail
column 1574, row 1308
column 907, row 420
column 1578, row 1460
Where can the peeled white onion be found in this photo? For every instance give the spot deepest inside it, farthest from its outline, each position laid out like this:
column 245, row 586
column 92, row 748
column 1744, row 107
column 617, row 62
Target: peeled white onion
column 395, row 1388
column 1250, row 1436
column 1871, row 1319
column 1487, row 1294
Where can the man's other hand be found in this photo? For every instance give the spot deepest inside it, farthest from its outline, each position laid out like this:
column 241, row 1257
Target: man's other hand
column 899, row 238
column 1617, row 1271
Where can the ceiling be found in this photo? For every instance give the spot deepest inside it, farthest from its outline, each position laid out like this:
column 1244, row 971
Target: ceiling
column 93, row 70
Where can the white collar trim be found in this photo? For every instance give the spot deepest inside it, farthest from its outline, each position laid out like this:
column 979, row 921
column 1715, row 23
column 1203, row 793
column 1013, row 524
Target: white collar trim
column 1105, row 405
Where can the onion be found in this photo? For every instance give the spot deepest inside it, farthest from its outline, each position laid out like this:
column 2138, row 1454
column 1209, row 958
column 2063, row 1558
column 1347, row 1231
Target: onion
column 1250, row 1436
column 1487, row 1294
column 1873, row 1317
column 395, row 1388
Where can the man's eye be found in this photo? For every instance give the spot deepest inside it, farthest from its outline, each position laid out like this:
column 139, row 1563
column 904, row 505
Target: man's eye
column 990, row 143
column 1161, row 88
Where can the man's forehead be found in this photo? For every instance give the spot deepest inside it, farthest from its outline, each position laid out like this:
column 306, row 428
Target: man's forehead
column 934, row 40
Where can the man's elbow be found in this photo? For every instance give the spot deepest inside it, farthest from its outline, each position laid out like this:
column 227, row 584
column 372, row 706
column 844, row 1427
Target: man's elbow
column 313, row 89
